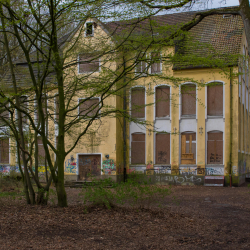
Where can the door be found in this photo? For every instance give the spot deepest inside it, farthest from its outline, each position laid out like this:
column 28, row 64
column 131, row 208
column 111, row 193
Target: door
column 89, row 166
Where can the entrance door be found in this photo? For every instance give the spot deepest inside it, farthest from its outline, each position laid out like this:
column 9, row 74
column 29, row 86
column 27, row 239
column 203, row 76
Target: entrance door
column 89, row 166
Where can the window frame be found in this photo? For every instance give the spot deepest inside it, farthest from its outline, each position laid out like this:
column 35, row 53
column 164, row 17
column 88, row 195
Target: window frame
column 9, row 153
column 88, row 72
column 150, row 70
column 162, row 132
column 206, row 85
column 223, row 137
column 130, row 101
column 93, row 29
column 180, row 147
column 170, row 104
column 78, row 109
column 145, row 148
column 180, row 102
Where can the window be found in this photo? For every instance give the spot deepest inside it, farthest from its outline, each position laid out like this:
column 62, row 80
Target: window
column 188, row 100
column 156, row 63
column 138, row 148
column 56, row 108
column 41, row 152
column 138, row 102
column 4, row 150
column 88, row 108
column 188, row 148
column 215, row 99
column 215, row 147
column 5, row 115
column 89, row 29
column 162, row 101
column 141, row 67
column 24, row 106
column 162, row 149
column 88, row 63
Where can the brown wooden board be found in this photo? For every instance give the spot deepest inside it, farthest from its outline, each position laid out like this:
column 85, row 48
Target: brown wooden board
column 89, row 107
column 162, row 149
column 89, row 166
column 138, row 102
column 214, row 181
column 4, row 147
column 41, row 152
column 215, row 100
column 215, row 148
column 162, row 106
column 87, row 64
column 138, row 148
column 188, row 99
column 156, row 66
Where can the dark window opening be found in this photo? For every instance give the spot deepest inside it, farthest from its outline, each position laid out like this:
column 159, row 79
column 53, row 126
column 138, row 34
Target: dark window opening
column 138, row 103
column 162, row 99
column 188, row 148
column 89, row 108
column 188, row 100
column 215, row 99
column 162, row 149
column 138, row 148
column 215, row 148
column 89, row 29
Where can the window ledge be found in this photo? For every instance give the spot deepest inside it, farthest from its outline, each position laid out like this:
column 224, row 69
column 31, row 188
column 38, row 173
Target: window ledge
column 189, row 117
column 214, row 117
column 162, row 118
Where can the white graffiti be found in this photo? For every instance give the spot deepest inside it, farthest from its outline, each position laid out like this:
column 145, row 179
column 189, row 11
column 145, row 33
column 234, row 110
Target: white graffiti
column 215, row 171
column 180, row 179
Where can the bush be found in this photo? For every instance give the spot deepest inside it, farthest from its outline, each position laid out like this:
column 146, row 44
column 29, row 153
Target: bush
column 137, row 192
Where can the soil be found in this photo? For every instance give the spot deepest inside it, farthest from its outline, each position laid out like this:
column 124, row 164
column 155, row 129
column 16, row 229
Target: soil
column 193, row 217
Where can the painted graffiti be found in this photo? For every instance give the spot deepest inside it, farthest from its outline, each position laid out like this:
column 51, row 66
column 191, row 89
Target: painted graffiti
column 162, row 170
column 7, row 169
column 215, row 171
column 71, row 165
column 137, row 169
column 180, row 180
column 109, row 167
column 235, row 171
column 187, row 170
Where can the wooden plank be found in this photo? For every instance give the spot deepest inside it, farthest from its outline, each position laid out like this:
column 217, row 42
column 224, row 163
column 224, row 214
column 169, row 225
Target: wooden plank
column 214, row 181
column 183, row 144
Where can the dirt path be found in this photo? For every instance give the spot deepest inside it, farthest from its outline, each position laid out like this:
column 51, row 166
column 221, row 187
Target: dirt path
column 193, row 218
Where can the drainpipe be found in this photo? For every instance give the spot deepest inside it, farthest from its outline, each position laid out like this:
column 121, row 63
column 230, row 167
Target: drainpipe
column 231, row 124
column 124, row 127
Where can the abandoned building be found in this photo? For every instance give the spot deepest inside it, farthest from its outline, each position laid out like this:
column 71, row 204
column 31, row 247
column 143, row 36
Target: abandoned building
column 198, row 128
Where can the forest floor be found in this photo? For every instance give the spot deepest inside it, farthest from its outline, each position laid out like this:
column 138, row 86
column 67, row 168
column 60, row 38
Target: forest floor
column 192, row 217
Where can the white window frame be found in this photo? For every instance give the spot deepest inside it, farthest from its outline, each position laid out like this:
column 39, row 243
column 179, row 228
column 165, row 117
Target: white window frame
column 170, row 104
column 180, row 102
column 150, row 70
column 93, row 29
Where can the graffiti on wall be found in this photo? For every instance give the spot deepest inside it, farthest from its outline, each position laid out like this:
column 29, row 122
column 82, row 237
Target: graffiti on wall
column 7, row 169
column 162, row 170
column 71, row 165
column 188, row 170
column 139, row 169
column 214, row 170
column 109, row 167
column 180, row 180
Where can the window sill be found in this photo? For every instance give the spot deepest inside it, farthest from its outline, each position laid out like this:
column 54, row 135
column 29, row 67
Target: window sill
column 214, row 116
column 162, row 118
column 189, row 117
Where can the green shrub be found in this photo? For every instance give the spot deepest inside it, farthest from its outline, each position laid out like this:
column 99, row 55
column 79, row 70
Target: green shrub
column 137, row 192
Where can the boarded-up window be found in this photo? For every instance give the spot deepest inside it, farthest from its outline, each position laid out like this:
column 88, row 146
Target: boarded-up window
column 138, row 102
column 89, row 108
column 188, row 148
column 215, row 148
column 24, row 106
column 88, row 63
column 162, row 149
column 4, row 116
column 4, row 150
column 138, row 148
column 41, row 152
column 215, row 99
column 188, row 100
column 156, row 65
column 57, row 108
column 162, row 98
